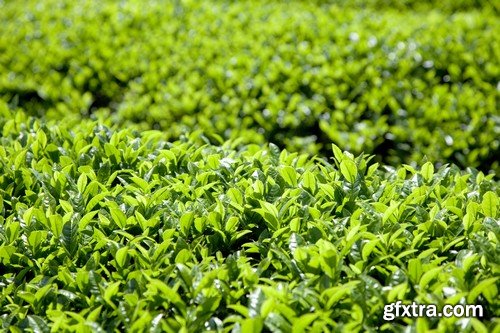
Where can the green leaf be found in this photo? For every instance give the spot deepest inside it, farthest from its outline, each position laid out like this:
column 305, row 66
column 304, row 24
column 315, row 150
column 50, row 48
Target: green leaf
column 6, row 252
column 235, row 197
column 40, row 293
column 69, row 237
column 110, row 291
column 157, row 287
column 468, row 221
column 428, row 276
column 349, row 170
column 270, row 214
column 490, row 204
column 231, row 224
column 397, row 292
column 13, row 231
column 36, row 238
column 309, row 181
column 390, row 211
column 240, row 309
column 478, row 326
column 183, row 256
column 304, row 322
column 118, row 216
column 427, row 171
column 487, row 287
column 56, row 224
column 415, row 269
column 337, row 153
column 335, row 294
column 368, row 248
column 252, row 325
column 66, row 206
column 95, row 200
column 41, row 138
column 186, row 222
column 143, row 185
column 289, row 175
column 37, row 324
column 469, row 260
column 82, row 183
column 121, row 257
column 85, row 220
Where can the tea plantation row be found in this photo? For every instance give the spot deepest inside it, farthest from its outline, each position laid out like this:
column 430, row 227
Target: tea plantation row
column 400, row 84
column 105, row 231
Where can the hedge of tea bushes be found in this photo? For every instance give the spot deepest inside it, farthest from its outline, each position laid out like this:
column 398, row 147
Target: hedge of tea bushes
column 445, row 6
column 373, row 78
column 104, row 230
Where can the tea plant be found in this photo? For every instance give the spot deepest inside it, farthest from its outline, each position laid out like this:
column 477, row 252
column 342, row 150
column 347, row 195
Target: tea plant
column 104, row 230
column 421, row 80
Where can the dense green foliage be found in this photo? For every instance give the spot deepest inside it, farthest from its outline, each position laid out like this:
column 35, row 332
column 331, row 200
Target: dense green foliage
column 104, row 230
column 239, row 215
column 373, row 78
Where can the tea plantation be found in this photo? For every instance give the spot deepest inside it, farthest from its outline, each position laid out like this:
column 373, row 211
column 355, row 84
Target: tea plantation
column 397, row 84
column 248, row 166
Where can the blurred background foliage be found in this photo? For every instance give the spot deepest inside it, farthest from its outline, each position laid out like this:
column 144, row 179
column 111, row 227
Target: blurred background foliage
column 403, row 80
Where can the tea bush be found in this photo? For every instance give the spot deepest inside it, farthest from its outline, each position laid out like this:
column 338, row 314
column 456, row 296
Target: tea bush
column 104, row 230
column 169, row 167
column 400, row 80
